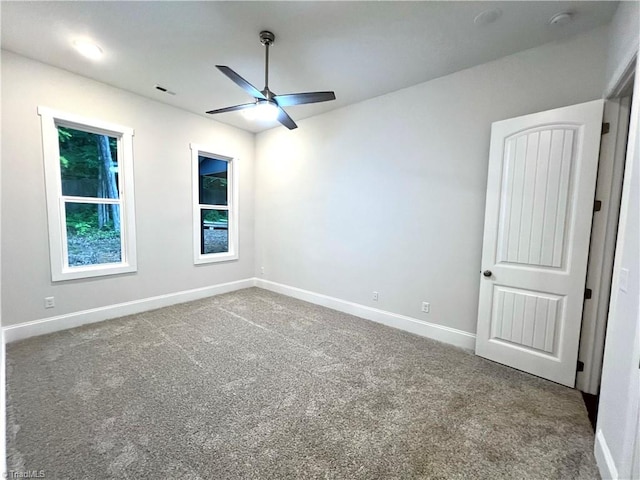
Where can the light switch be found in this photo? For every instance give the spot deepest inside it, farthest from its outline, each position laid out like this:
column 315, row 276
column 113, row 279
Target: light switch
column 624, row 279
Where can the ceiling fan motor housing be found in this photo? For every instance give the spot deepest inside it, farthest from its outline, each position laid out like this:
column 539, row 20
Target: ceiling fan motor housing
column 267, row 38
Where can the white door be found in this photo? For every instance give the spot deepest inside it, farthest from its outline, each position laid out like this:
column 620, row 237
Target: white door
column 540, row 194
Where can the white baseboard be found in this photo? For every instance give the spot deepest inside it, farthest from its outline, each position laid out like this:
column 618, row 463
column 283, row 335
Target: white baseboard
column 605, row 462
column 441, row 333
column 21, row 331
column 452, row 336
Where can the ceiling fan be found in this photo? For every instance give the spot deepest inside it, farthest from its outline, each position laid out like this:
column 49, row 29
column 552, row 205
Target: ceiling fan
column 266, row 99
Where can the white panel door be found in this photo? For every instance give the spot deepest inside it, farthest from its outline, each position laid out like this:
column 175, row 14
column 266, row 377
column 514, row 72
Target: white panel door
column 540, row 194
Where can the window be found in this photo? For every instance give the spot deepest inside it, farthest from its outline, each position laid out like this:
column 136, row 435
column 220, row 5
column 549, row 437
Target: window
column 89, row 182
column 215, row 206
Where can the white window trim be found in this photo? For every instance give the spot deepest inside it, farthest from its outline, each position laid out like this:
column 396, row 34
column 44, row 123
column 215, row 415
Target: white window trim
column 232, row 207
column 60, row 269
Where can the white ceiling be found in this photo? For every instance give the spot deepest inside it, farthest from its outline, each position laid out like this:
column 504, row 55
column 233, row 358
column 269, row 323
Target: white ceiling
column 358, row 49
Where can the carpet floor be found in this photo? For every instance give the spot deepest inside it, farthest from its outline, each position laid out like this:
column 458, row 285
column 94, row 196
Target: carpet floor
column 256, row 385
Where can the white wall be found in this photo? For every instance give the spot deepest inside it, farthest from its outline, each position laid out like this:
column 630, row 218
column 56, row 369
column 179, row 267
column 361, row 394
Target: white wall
column 620, row 388
column 162, row 166
column 388, row 194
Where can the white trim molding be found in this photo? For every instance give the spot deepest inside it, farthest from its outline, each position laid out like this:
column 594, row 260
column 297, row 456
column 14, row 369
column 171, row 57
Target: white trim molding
column 452, row 336
column 34, row 328
column 604, row 230
column 231, row 206
column 57, row 200
column 604, row 459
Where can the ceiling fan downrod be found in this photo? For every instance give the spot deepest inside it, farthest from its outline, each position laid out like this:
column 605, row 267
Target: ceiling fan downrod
column 267, row 38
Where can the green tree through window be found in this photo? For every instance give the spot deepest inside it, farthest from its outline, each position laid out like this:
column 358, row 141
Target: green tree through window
column 89, row 171
column 88, row 167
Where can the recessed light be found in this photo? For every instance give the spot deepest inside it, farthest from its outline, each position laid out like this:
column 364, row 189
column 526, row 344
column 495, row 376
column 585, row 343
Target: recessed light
column 561, row 18
column 88, row 49
column 488, row 16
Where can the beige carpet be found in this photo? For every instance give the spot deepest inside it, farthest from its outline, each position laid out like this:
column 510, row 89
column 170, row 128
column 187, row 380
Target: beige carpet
column 255, row 385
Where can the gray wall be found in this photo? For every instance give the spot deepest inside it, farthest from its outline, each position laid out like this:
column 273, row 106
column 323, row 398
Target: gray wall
column 388, row 194
column 3, row 399
column 623, row 40
column 162, row 165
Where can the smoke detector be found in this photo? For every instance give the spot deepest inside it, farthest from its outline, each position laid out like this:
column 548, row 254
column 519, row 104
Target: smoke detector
column 561, row 19
column 487, row 17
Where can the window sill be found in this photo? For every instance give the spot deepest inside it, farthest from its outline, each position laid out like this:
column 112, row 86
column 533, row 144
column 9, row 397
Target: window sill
column 215, row 258
column 92, row 271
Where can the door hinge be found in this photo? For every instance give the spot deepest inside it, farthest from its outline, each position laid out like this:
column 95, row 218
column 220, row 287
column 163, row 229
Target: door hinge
column 605, row 128
column 597, row 205
column 580, row 367
column 587, row 293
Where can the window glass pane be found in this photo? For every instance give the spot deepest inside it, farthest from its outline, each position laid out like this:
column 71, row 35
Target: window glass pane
column 88, row 164
column 93, row 233
column 212, row 179
column 214, row 228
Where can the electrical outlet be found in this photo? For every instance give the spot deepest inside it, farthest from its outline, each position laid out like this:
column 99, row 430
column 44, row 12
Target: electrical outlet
column 375, row 296
column 49, row 302
column 426, row 307
column 262, row 270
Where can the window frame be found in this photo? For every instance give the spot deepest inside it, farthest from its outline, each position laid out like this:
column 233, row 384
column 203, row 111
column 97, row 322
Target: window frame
column 198, row 150
column 56, row 201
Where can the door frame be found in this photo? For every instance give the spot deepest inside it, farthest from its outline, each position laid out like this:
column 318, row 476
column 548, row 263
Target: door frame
column 613, row 150
column 604, row 232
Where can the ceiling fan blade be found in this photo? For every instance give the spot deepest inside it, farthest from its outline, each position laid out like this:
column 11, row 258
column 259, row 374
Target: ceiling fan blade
column 286, row 120
column 232, row 109
column 241, row 82
column 301, row 98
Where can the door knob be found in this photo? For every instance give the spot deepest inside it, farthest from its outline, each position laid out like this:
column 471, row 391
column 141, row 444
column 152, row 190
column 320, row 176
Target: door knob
column 487, row 273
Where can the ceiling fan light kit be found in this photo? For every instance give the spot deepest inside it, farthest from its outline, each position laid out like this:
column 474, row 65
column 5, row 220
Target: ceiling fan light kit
column 267, row 104
column 264, row 110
